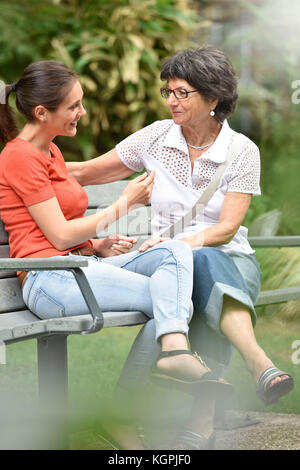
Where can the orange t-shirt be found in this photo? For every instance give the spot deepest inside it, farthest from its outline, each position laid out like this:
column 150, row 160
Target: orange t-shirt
column 29, row 176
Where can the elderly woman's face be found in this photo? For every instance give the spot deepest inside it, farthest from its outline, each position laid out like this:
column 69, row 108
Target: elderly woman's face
column 190, row 111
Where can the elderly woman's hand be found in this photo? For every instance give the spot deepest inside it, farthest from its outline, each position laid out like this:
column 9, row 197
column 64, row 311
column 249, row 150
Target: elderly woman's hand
column 193, row 241
column 152, row 242
column 113, row 245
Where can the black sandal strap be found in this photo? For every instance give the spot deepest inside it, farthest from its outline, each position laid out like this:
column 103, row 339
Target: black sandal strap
column 175, row 352
column 178, row 352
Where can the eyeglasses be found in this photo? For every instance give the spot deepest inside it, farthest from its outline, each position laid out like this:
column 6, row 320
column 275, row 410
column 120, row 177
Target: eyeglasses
column 179, row 93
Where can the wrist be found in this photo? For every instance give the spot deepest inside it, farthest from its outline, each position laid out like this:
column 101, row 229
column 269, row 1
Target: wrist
column 124, row 205
column 194, row 241
column 97, row 245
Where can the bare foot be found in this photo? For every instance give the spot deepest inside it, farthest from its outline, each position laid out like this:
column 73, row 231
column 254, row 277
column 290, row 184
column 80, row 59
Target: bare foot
column 260, row 368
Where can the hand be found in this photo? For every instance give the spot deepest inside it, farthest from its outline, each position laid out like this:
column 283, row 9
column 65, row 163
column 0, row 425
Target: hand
column 152, row 242
column 113, row 245
column 191, row 241
column 139, row 190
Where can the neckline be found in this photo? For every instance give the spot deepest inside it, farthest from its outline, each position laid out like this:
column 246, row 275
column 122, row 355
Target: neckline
column 41, row 151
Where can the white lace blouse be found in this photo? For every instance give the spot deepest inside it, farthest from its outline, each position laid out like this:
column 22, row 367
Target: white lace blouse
column 162, row 147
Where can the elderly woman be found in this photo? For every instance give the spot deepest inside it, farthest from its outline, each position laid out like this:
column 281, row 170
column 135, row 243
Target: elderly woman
column 185, row 153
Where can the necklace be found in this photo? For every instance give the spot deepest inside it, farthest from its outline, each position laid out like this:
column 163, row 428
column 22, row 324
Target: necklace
column 201, row 147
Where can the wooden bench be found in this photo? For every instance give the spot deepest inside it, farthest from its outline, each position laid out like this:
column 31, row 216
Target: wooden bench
column 17, row 323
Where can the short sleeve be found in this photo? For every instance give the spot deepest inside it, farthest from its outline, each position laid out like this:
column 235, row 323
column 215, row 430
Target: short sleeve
column 28, row 175
column 131, row 150
column 244, row 172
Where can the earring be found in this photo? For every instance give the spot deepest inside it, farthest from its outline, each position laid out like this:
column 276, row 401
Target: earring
column 212, row 113
column 44, row 120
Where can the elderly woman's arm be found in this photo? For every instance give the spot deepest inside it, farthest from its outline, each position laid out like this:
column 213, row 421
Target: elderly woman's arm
column 233, row 211
column 103, row 169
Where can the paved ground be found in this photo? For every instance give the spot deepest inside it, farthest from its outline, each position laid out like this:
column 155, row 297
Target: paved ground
column 273, row 432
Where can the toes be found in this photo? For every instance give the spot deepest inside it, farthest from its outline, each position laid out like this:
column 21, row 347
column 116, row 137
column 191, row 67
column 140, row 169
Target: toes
column 278, row 379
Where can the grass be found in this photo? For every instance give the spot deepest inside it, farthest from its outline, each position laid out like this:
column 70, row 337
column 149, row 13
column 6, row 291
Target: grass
column 276, row 338
column 96, row 361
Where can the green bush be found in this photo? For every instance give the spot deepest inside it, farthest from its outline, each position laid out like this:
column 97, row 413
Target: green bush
column 116, row 47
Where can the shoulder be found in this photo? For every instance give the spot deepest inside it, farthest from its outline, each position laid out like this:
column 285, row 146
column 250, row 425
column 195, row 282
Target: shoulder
column 247, row 146
column 151, row 132
column 158, row 128
column 18, row 151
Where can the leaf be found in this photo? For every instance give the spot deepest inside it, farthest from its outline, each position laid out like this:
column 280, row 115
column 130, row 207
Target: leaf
column 62, row 52
column 129, row 66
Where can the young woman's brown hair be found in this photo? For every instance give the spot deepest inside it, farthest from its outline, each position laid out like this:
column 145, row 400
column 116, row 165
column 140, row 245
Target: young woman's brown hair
column 43, row 83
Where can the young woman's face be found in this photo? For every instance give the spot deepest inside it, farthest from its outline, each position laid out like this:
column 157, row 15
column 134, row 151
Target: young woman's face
column 64, row 120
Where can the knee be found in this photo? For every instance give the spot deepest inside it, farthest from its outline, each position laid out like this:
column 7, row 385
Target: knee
column 205, row 256
column 203, row 252
column 178, row 249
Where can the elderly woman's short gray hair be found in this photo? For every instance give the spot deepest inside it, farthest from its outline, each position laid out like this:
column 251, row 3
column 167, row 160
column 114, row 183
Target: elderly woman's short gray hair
column 209, row 71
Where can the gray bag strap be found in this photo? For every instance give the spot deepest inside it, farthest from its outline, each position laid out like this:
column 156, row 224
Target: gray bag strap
column 184, row 221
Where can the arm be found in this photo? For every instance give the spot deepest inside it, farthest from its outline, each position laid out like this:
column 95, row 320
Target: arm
column 103, row 169
column 234, row 209
column 64, row 234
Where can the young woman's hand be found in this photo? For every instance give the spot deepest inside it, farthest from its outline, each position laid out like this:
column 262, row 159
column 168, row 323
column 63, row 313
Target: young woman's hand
column 139, row 190
column 113, row 245
column 152, row 242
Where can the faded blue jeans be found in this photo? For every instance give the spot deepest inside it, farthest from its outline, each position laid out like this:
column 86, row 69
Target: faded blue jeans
column 157, row 282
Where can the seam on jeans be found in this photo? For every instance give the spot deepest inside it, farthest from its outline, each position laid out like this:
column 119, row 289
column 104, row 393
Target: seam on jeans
column 29, row 290
column 51, row 299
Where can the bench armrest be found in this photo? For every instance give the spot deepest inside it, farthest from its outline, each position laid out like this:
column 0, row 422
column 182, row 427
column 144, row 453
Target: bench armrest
column 69, row 263
column 39, row 264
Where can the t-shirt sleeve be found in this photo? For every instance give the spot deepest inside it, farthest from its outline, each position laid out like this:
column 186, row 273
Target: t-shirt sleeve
column 27, row 173
column 132, row 150
column 245, row 171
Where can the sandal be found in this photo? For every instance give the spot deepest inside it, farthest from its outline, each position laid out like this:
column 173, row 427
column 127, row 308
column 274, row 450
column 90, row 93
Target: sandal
column 268, row 393
column 119, row 437
column 190, row 440
column 207, row 383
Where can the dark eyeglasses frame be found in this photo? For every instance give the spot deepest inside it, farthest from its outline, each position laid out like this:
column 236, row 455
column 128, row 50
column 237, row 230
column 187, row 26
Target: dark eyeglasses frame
column 169, row 91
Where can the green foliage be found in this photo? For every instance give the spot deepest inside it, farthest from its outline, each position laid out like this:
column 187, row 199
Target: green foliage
column 263, row 48
column 116, row 47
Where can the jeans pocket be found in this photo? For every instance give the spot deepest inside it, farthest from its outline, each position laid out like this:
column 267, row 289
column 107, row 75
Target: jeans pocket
column 46, row 307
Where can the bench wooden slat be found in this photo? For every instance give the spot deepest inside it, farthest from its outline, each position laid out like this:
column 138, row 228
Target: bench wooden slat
column 104, row 195
column 278, row 296
column 10, row 295
column 3, row 234
column 275, row 241
column 4, row 253
column 136, row 223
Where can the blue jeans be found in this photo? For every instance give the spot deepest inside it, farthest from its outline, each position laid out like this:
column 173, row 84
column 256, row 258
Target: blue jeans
column 157, row 282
